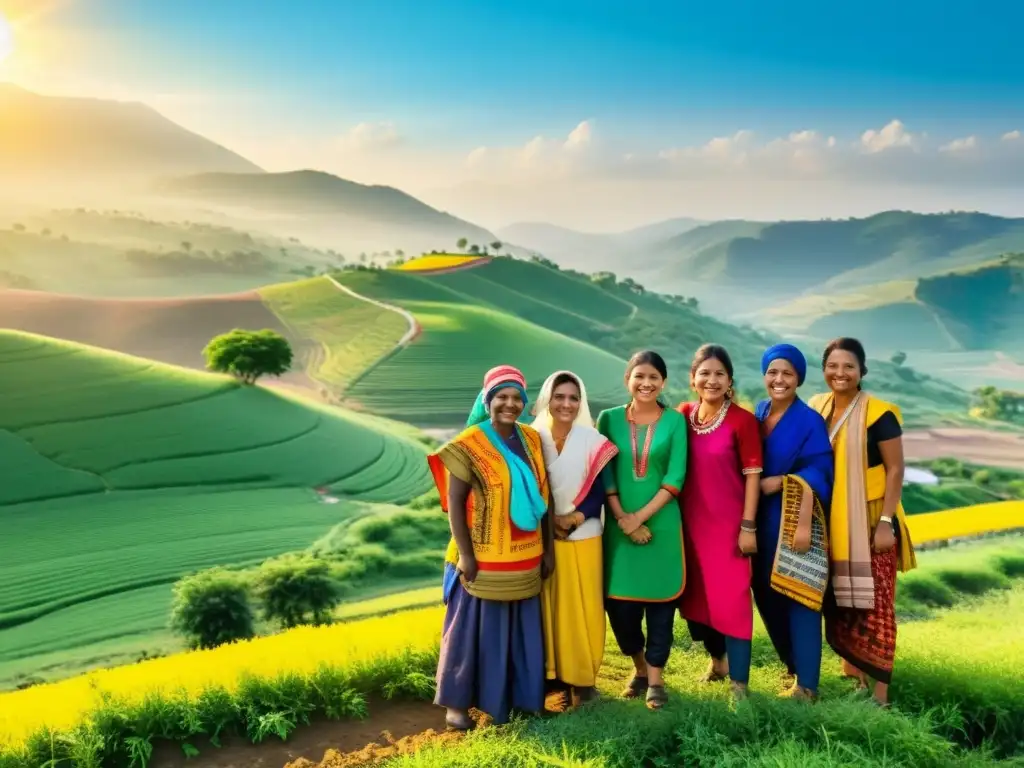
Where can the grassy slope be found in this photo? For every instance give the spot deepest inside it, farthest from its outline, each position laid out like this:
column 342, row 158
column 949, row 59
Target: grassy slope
column 350, row 334
column 954, row 688
column 130, row 473
column 459, row 314
column 435, row 379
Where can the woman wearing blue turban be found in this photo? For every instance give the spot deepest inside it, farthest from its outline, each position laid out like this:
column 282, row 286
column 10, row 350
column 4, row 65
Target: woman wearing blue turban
column 791, row 566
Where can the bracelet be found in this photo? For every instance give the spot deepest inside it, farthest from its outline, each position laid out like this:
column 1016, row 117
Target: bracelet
column 748, row 526
column 885, row 519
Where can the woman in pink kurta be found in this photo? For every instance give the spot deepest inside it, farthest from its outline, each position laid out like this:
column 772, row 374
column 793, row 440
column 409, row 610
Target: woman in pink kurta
column 719, row 507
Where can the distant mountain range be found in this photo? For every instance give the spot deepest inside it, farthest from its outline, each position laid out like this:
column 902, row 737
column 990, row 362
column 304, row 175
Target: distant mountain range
column 59, row 139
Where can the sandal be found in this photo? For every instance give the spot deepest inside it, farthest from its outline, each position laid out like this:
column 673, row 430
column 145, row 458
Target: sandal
column 712, row 675
column 799, row 693
column 657, row 696
column 636, row 688
column 458, row 722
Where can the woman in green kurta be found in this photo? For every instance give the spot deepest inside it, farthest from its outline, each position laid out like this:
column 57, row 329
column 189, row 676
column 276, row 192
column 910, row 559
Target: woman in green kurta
column 645, row 570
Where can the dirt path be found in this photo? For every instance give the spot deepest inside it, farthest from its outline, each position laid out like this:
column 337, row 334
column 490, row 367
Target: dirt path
column 977, row 446
column 332, row 741
column 414, row 326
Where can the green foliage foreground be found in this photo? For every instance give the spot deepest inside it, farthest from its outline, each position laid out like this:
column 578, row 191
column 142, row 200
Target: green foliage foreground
column 956, row 693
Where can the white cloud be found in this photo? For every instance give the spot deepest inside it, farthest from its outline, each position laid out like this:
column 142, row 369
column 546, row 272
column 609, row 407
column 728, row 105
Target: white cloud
column 893, row 134
column 1012, row 136
column 965, row 144
column 370, row 137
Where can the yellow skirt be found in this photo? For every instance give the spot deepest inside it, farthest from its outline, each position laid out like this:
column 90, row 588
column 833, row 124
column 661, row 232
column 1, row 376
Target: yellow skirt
column 573, row 604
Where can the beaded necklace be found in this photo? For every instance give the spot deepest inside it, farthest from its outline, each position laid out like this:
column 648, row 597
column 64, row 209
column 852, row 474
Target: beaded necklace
column 640, row 459
column 706, row 428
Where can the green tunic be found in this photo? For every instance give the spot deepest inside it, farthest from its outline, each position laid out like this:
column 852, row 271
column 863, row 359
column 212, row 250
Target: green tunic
column 653, row 572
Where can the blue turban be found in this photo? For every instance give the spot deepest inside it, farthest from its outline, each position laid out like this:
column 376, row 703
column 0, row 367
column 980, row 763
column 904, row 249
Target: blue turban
column 791, row 355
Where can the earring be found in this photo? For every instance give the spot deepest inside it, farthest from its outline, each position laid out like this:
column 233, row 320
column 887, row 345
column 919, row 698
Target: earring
column 729, row 394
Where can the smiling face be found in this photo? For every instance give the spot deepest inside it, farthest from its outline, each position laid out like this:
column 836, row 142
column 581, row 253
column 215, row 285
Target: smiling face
column 565, row 403
column 645, row 383
column 711, row 381
column 842, row 372
column 506, row 406
column 781, row 381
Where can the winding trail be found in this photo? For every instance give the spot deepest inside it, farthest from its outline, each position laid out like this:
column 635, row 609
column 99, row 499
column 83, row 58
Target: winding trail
column 414, row 327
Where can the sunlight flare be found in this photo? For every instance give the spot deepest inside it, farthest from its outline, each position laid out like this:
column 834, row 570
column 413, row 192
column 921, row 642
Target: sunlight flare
column 6, row 38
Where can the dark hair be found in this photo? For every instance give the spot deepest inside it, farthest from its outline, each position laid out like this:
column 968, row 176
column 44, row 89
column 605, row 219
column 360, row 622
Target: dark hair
column 712, row 352
column 847, row 344
column 566, row 378
column 648, row 357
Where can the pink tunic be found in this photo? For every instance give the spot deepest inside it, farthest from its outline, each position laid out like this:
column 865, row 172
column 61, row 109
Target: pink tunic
column 717, row 590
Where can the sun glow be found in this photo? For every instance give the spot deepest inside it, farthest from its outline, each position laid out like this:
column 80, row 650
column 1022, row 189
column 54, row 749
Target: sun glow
column 6, row 39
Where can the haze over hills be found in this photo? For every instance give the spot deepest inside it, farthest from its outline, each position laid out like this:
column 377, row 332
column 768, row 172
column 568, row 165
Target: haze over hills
column 61, row 139
column 591, row 250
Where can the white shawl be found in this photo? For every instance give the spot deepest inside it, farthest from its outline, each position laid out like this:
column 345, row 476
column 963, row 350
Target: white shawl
column 572, row 473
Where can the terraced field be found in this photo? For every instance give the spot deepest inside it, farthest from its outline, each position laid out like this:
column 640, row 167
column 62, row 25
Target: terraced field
column 349, row 334
column 128, row 473
column 434, row 380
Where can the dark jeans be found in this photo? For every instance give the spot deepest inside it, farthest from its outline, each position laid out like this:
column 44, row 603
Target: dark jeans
column 719, row 646
column 626, row 618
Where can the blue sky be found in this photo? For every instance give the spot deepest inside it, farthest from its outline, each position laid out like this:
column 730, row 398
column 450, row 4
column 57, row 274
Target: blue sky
column 451, row 76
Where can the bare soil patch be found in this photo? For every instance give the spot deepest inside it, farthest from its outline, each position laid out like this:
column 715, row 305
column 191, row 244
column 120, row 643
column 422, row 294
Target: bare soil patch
column 977, row 446
column 171, row 331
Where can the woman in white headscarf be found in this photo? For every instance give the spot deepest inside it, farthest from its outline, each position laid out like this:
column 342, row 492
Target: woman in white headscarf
column 572, row 599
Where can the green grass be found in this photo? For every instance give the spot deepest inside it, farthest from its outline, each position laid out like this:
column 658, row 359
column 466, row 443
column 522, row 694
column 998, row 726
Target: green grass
column 126, row 474
column 434, row 380
column 349, row 334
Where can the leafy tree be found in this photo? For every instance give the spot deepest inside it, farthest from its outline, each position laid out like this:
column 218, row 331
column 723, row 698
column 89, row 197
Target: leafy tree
column 474, row 248
column 1002, row 405
column 898, row 358
column 496, row 246
column 297, row 590
column 186, row 246
column 247, row 355
column 211, row 608
column 461, row 243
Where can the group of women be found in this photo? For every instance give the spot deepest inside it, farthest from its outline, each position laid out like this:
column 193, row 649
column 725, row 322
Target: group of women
column 706, row 509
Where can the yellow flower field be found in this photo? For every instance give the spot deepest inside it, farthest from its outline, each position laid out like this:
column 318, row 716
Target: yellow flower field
column 346, row 646
column 970, row 521
column 435, row 261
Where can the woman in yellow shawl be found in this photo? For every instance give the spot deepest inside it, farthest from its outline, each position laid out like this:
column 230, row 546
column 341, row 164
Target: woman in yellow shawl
column 870, row 540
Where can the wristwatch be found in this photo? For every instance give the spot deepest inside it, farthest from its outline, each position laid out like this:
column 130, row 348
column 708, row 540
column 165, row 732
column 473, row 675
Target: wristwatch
column 885, row 519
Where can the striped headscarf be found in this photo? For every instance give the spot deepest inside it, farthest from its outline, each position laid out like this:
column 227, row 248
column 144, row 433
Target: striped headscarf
column 498, row 378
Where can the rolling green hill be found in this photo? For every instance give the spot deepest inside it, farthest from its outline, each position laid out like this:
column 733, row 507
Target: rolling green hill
column 123, row 474
column 785, row 259
column 531, row 314
column 974, row 309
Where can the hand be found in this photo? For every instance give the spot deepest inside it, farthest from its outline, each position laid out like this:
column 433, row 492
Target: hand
column 547, row 564
column 770, row 485
column 641, row 535
column 802, row 539
column 629, row 524
column 748, row 542
column 468, row 567
column 568, row 522
column 885, row 537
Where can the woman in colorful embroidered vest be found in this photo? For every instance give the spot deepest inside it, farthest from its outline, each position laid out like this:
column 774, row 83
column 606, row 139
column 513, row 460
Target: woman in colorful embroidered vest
column 870, row 540
column 573, row 598
column 494, row 487
column 719, row 504
column 644, row 565
column 791, row 565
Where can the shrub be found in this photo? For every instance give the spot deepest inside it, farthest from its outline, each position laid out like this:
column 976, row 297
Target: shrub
column 211, row 608
column 297, row 590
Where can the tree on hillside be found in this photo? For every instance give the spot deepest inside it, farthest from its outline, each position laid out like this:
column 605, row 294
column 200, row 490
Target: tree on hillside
column 898, row 358
column 247, row 355
column 297, row 590
column 211, row 608
column 496, row 246
column 461, row 243
column 186, row 246
column 1002, row 405
column 474, row 248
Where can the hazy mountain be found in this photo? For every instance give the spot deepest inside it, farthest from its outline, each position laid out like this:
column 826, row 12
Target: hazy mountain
column 69, row 140
column 360, row 215
column 587, row 249
column 790, row 258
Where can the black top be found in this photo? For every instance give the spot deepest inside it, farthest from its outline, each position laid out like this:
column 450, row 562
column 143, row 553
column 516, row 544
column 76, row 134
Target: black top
column 886, row 428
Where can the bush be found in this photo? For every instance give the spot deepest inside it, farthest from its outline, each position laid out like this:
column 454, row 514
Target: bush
column 211, row 608
column 297, row 590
